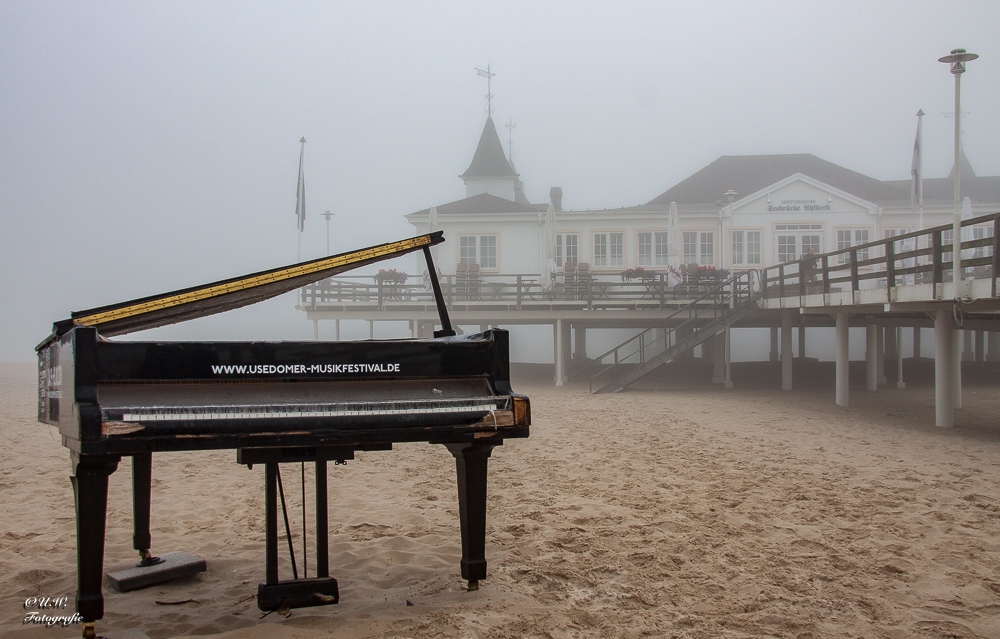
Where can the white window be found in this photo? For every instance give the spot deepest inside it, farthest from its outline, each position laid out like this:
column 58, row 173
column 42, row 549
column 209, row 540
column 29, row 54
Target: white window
column 901, row 246
column 661, row 248
column 654, row 249
column 645, row 249
column 946, row 240
column 793, row 241
column 609, row 249
column 567, row 248
column 746, row 248
column 478, row 249
column 699, row 248
column 981, row 232
column 786, row 248
column 846, row 238
column 887, row 233
column 467, row 249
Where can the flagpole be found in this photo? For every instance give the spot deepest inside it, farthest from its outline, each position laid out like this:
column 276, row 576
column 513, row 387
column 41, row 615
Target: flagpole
column 919, row 186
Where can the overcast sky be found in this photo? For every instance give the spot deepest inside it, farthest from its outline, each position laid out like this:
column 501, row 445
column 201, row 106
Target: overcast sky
column 151, row 146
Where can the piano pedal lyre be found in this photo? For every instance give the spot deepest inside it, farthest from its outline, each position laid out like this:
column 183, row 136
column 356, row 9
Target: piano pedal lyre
column 90, row 630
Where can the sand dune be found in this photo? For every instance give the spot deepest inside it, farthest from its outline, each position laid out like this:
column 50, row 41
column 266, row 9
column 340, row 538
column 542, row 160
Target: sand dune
column 675, row 510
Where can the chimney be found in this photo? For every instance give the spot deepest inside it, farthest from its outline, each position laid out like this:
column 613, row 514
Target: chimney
column 555, row 196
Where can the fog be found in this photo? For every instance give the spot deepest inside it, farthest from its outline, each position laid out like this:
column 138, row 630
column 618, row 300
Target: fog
column 146, row 147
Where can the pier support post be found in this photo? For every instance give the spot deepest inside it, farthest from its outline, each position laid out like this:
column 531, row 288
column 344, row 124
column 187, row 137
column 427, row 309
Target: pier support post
column 773, row 355
column 557, row 345
column 786, row 350
column 968, row 337
column 880, row 354
column 916, row 342
column 315, row 330
column 718, row 359
column 580, row 336
column 728, row 340
column 944, row 362
column 956, row 371
column 980, row 347
column 899, row 357
column 843, row 359
column 802, row 342
column 337, row 334
column 871, row 357
column 567, row 348
column 993, row 347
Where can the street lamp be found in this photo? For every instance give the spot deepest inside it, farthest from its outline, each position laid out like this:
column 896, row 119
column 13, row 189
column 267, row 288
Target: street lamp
column 957, row 60
column 328, row 215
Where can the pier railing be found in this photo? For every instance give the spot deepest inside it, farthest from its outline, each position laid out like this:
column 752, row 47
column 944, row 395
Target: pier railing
column 920, row 257
column 513, row 291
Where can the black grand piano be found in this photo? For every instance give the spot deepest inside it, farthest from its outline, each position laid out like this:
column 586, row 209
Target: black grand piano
column 273, row 402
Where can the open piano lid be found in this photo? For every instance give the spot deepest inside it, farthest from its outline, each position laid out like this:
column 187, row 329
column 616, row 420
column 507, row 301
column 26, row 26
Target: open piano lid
column 225, row 295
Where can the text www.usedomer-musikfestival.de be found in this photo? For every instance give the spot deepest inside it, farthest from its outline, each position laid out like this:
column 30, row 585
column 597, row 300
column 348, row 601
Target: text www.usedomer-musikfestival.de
column 301, row 369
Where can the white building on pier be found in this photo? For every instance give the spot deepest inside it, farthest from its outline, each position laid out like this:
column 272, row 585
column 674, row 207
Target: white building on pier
column 738, row 212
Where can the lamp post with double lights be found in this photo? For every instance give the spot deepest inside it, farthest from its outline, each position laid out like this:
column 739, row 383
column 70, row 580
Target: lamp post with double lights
column 957, row 60
column 947, row 337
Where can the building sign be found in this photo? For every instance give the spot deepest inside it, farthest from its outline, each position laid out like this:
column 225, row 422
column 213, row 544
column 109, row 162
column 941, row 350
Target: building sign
column 798, row 205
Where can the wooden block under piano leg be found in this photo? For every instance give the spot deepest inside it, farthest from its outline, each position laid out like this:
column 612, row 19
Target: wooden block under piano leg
column 175, row 565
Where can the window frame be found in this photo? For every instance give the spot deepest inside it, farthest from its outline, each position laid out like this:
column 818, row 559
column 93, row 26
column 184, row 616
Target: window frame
column 562, row 248
column 488, row 262
column 604, row 250
column 699, row 245
column 744, row 247
column 853, row 239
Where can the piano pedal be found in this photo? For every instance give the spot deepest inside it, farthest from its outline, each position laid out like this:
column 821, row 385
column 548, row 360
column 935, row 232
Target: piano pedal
column 340, row 462
column 473, row 585
column 147, row 559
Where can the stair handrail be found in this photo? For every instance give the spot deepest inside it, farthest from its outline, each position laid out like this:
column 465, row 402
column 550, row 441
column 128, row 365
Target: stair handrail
column 748, row 281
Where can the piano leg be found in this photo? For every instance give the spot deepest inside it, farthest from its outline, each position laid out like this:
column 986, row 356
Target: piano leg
column 90, row 490
column 322, row 522
column 271, row 523
column 142, row 478
column 471, row 462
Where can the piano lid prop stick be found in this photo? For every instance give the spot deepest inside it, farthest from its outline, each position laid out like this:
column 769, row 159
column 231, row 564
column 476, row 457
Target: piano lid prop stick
column 446, row 329
column 288, row 530
column 305, row 556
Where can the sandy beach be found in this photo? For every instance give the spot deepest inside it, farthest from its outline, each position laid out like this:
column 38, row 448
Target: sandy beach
column 676, row 509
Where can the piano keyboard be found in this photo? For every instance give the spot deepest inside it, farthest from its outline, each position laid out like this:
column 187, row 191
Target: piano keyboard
column 195, row 413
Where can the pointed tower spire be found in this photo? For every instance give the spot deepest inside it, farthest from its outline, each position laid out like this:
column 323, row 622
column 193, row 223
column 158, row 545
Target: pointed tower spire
column 490, row 171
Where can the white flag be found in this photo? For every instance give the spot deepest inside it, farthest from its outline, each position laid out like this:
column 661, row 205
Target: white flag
column 300, row 191
column 916, row 191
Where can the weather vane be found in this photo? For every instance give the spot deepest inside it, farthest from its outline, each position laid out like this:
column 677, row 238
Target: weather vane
column 489, row 95
column 510, row 138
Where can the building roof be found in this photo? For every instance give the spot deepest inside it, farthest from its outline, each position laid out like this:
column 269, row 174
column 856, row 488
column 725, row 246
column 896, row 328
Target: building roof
column 941, row 191
column 747, row 174
column 482, row 204
column 489, row 160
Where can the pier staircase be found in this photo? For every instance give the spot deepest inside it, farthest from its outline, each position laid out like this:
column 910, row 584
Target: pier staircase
column 710, row 314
